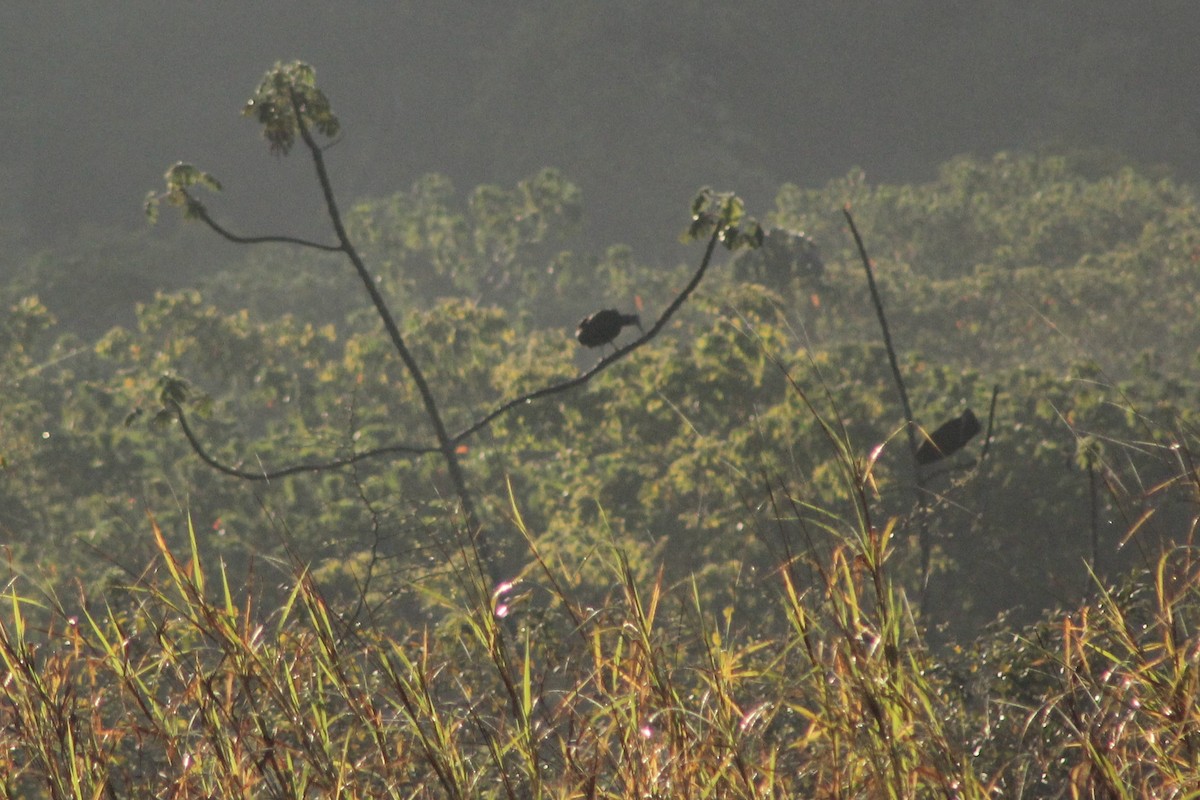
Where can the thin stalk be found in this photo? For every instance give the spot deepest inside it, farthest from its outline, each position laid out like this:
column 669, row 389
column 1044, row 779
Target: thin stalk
column 910, row 426
column 605, row 362
column 446, row 445
column 295, row 469
column 202, row 214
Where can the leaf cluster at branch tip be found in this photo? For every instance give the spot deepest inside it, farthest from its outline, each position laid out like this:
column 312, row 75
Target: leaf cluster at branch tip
column 725, row 213
column 288, row 89
column 179, row 177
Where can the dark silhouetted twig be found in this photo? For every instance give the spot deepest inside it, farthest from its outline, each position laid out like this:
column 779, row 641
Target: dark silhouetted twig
column 295, row 469
column 910, row 427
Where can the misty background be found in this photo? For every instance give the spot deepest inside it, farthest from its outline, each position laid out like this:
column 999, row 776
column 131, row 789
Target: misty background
column 638, row 103
column 1020, row 271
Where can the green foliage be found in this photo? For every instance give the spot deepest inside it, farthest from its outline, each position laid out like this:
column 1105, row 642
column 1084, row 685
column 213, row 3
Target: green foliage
column 707, row 404
column 500, row 245
column 1018, row 260
column 724, row 213
column 286, row 99
column 749, row 458
column 179, row 178
column 182, row 683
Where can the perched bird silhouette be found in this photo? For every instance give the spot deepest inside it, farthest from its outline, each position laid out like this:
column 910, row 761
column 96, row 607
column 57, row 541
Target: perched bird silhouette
column 603, row 326
column 950, row 437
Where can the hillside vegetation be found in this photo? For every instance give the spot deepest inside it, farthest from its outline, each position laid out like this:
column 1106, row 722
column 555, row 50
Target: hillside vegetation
column 712, row 568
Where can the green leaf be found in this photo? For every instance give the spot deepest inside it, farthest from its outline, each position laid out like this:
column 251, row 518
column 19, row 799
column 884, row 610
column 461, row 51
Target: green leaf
column 732, row 210
column 729, row 237
column 754, row 239
column 180, row 177
column 151, row 206
column 173, row 391
column 701, row 228
column 284, row 90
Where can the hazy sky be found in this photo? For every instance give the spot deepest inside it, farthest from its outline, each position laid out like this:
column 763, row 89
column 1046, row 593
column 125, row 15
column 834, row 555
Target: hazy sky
column 640, row 103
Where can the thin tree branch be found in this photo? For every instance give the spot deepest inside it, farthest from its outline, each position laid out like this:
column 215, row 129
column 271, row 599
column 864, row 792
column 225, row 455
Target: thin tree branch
column 201, row 212
column 924, row 537
column 377, row 299
column 446, row 445
column 295, row 469
column 417, row 450
column 987, row 437
column 887, row 336
column 605, row 362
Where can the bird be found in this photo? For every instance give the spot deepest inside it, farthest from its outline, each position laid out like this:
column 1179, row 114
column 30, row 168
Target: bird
column 602, row 327
column 950, row 437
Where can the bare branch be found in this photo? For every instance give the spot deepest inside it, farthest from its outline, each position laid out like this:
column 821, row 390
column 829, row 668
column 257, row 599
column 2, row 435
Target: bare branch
column 446, row 445
column 605, row 362
column 416, row 450
column 925, row 537
column 295, row 469
column 910, row 427
column 201, row 212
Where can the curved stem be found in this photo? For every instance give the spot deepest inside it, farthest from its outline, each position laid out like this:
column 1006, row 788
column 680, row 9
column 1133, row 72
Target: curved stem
column 910, row 427
column 295, row 469
column 200, row 211
column 481, row 423
column 603, row 363
column 446, row 445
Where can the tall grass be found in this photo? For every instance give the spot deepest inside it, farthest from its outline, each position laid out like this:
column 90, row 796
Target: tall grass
column 184, row 687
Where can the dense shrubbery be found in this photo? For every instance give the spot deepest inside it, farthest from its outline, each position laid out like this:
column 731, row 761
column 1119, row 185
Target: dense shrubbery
column 750, row 459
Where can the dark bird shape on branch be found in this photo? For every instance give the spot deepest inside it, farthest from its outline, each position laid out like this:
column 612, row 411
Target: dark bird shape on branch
column 604, row 326
column 949, row 438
